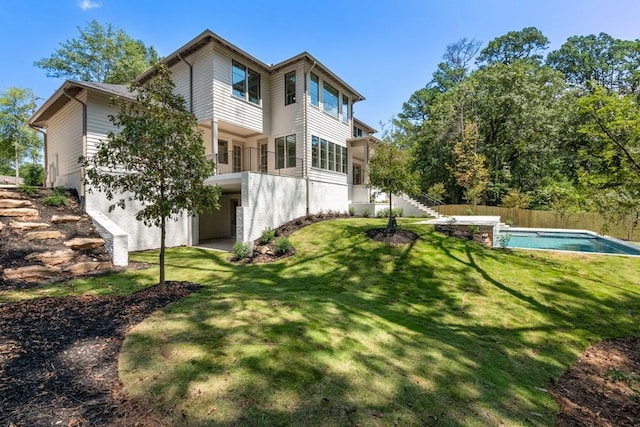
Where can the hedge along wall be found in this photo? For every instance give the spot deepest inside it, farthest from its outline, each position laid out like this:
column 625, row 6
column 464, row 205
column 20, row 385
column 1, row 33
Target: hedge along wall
column 545, row 219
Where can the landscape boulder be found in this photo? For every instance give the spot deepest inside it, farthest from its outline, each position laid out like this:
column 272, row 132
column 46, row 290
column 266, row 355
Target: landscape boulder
column 51, row 257
column 20, row 226
column 30, row 273
column 87, row 267
column 15, row 203
column 61, row 219
column 81, row 243
column 43, row 235
column 19, row 212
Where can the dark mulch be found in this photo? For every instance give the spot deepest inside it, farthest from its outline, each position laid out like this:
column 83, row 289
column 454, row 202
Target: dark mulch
column 603, row 387
column 400, row 237
column 59, row 358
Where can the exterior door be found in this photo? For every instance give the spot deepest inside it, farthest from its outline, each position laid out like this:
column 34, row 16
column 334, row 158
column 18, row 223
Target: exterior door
column 237, row 158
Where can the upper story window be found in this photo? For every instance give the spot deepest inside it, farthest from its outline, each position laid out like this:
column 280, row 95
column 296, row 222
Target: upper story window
column 329, row 99
column 223, row 151
column 345, row 109
column 245, row 82
column 290, row 88
column 357, row 132
column 314, row 89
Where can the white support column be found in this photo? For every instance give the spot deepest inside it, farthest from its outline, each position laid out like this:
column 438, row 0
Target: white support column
column 214, row 142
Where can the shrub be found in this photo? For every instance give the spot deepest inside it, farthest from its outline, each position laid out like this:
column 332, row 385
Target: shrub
column 474, row 229
column 282, row 246
column 352, row 211
column 32, row 174
column 385, row 212
column 468, row 212
column 399, row 212
column 29, row 190
column 240, row 251
column 267, row 235
column 503, row 239
column 366, row 213
column 509, row 222
column 58, row 197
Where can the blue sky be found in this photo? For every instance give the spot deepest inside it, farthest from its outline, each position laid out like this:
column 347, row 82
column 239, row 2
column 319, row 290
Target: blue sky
column 385, row 49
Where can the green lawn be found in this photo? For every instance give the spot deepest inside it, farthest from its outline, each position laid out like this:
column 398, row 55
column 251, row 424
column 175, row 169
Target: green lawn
column 352, row 332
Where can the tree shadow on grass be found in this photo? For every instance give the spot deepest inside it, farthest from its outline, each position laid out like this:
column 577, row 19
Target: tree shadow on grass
column 428, row 334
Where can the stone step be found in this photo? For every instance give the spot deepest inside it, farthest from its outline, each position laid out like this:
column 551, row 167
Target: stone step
column 43, row 235
column 87, row 267
column 19, row 212
column 14, row 203
column 31, row 273
column 80, row 243
column 51, row 257
column 21, row 226
column 62, row 219
column 4, row 194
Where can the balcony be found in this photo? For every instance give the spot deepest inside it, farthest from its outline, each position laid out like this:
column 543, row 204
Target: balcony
column 257, row 160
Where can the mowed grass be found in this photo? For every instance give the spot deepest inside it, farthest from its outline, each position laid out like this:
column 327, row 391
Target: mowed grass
column 352, row 332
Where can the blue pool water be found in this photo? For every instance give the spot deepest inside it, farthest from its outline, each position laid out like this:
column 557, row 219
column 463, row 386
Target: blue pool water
column 558, row 240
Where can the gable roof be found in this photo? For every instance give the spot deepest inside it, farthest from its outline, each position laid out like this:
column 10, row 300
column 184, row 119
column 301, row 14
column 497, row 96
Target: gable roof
column 70, row 89
column 208, row 36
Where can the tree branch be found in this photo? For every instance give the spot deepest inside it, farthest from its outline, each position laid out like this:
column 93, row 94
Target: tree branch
column 614, row 140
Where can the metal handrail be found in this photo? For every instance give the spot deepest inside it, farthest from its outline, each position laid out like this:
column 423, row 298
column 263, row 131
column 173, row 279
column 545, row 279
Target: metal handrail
column 251, row 159
column 428, row 201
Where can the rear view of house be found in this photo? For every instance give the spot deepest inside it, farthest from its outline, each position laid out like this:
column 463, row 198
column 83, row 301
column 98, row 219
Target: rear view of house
column 283, row 138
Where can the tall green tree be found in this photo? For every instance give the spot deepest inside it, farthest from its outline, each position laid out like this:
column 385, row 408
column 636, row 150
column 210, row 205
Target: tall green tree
column 527, row 44
column 16, row 137
column 599, row 60
column 469, row 166
column 391, row 170
column 157, row 157
column 102, row 54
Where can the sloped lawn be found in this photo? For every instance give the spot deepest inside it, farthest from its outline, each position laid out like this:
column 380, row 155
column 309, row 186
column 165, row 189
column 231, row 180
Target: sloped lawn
column 353, row 332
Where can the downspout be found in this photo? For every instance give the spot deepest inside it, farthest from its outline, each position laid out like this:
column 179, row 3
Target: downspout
column 190, row 82
column 84, row 143
column 46, row 163
column 193, row 224
column 306, row 134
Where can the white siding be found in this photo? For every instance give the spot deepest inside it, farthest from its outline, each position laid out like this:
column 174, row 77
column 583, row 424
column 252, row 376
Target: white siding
column 64, row 147
column 230, row 108
column 98, row 124
column 202, row 63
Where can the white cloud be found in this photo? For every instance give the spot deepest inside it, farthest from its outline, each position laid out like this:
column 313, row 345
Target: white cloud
column 89, row 4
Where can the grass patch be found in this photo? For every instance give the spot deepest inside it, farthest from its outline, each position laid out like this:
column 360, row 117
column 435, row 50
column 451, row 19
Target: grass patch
column 350, row 331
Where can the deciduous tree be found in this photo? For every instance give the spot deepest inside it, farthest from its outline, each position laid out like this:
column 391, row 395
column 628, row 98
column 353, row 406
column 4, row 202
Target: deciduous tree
column 157, row 158
column 102, row 54
column 16, row 138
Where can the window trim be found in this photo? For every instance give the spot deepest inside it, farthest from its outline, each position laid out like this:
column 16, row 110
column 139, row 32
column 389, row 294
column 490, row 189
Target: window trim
column 345, row 109
column 252, row 80
column 289, row 81
column 288, row 145
column 328, row 88
column 312, row 91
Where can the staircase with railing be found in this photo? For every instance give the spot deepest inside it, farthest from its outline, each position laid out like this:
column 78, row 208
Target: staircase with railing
column 424, row 203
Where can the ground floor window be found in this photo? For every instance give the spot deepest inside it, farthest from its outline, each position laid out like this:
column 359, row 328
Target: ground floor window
column 327, row 155
column 286, row 152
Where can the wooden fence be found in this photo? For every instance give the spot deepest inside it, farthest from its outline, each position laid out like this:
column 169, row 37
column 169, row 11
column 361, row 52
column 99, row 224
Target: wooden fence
column 546, row 219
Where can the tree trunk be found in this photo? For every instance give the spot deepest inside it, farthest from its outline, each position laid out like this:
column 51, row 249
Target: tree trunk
column 17, row 163
column 163, row 233
column 392, row 226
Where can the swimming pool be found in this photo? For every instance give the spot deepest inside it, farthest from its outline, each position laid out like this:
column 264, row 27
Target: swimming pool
column 565, row 240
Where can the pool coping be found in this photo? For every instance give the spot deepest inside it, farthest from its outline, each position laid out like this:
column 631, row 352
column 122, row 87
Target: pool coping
column 572, row 230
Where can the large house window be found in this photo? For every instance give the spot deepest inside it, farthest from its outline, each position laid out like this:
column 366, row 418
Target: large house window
column 314, row 89
column 290, row 88
column 245, row 82
column 286, row 152
column 329, row 99
column 223, row 152
column 345, row 109
column 328, row 156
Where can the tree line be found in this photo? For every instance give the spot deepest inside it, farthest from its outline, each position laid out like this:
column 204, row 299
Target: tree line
column 509, row 124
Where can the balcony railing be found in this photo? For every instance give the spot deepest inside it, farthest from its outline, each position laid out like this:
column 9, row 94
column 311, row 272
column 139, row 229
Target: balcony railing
column 250, row 159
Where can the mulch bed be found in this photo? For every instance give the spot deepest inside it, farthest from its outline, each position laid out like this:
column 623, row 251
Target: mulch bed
column 59, row 358
column 603, row 387
column 400, row 237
